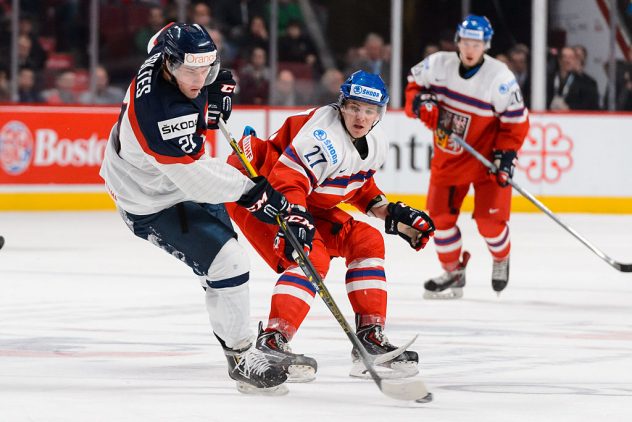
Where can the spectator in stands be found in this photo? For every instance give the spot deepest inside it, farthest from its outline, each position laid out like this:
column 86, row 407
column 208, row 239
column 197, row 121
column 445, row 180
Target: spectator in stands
column 328, row 90
column 227, row 52
column 285, row 93
column 155, row 21
column 234, row 16
column 105, row 94
column 289, row 10
column 374, row 58
column 5, row 92
column 64, row 91
column 25, row 58
column 567, row 89
column 257, row 36
column 37, row 55
column 502, row 58
column 255, row 79
column 202, row 15
column 27, row 92
column 625, row 97
column 295, row 46
column 519, row 64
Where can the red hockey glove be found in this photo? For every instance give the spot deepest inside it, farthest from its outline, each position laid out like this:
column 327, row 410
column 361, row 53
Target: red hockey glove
column 412, row 225
column 301, row 223
column 426, row 107
column 505, row 161
column 263, row 201
column 220, row 98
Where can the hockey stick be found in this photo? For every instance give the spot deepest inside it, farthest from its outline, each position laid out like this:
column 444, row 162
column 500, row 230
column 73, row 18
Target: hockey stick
column 408, row 389
column 626, row 268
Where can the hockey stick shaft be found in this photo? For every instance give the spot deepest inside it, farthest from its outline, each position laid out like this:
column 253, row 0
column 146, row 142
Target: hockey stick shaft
column 626, row 268
column 314, row 277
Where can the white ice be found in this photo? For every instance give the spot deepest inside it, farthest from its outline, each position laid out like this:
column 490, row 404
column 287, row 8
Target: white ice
column 97, row 325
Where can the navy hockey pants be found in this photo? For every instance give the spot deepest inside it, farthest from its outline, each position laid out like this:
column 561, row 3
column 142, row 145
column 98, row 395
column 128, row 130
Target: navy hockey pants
column 192, row 232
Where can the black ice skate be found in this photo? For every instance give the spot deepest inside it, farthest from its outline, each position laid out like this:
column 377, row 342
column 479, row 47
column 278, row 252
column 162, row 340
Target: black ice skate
column 448, row 285
column 500, row 275
column 301, row 368
column 255, row 372
column 401, row 363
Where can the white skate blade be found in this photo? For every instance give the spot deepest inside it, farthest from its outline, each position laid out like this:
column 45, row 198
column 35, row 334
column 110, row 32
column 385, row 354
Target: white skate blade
column 245, row 388
column 406, row 390
column 448, row 294
column 300, row 374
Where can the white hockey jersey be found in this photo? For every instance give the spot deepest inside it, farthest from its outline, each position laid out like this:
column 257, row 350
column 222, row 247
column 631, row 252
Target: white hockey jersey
column 155, row 156
column 313, row 161
column 486, row 109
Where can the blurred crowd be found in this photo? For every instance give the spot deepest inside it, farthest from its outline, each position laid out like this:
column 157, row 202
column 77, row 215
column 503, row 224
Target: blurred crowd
column 54, row 60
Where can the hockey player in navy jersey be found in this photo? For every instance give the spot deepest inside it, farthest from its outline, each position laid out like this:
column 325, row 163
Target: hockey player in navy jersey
column 172, row 194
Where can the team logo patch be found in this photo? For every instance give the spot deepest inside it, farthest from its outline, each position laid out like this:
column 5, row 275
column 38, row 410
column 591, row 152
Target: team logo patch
column 451, row 123
column 504, row 88
column 366, row 92
column 178, row 126
column 16, row 147
column 320, row 134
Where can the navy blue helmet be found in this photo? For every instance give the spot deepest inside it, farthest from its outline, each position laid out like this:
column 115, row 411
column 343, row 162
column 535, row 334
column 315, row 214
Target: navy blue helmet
column 190, row 45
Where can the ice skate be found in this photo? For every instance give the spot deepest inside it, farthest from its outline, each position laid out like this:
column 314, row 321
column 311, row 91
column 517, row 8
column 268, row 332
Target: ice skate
column 448, row 285
column 402, row 363
column 500, row 275
column 255, row 372
column 301, row 368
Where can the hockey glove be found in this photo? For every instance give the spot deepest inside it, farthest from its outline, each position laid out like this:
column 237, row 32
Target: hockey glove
column 263, row 201
column 426, row 107
column 301, row 223
column 505, row 161
column 220, row 98
column 412, row 225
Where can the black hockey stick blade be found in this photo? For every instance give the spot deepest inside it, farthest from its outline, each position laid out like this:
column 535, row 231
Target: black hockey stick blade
column 406, row 389
column 624, row 268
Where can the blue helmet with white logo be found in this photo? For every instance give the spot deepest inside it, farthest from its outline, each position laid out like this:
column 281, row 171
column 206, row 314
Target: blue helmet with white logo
column 192, row 46
column 365, row 87
column 475, row 27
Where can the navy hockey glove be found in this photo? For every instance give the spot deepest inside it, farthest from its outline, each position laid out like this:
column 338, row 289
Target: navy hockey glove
column 300, row 222
column 220, row 98
column 426, row 107
column 505, row 161
column 412, row 225
column 263, row 201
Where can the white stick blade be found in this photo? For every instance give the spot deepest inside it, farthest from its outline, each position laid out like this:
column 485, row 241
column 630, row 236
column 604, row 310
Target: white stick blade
column 408, row 389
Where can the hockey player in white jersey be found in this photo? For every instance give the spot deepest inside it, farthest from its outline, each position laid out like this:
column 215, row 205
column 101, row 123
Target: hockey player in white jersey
column 171, row 193
column 476, row 97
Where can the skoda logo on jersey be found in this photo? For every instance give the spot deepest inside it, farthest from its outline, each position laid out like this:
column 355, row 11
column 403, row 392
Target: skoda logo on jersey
column 320, row 134
column 177, row 127
column 16, row 147
column 366, row 92
column 504, row 88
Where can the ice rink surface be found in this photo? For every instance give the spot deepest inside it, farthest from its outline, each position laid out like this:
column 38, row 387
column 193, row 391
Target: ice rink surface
column 97, row 325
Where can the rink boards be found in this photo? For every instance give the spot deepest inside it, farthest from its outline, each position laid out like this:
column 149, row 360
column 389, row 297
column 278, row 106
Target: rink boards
column 573, row 162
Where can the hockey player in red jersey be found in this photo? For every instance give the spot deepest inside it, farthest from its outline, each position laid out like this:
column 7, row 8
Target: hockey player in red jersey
column 474, row 96
column 171, row 194
column 318, row 159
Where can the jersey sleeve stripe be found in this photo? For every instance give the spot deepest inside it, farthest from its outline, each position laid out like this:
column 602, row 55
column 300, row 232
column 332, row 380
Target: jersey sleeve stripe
column 461, row 98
